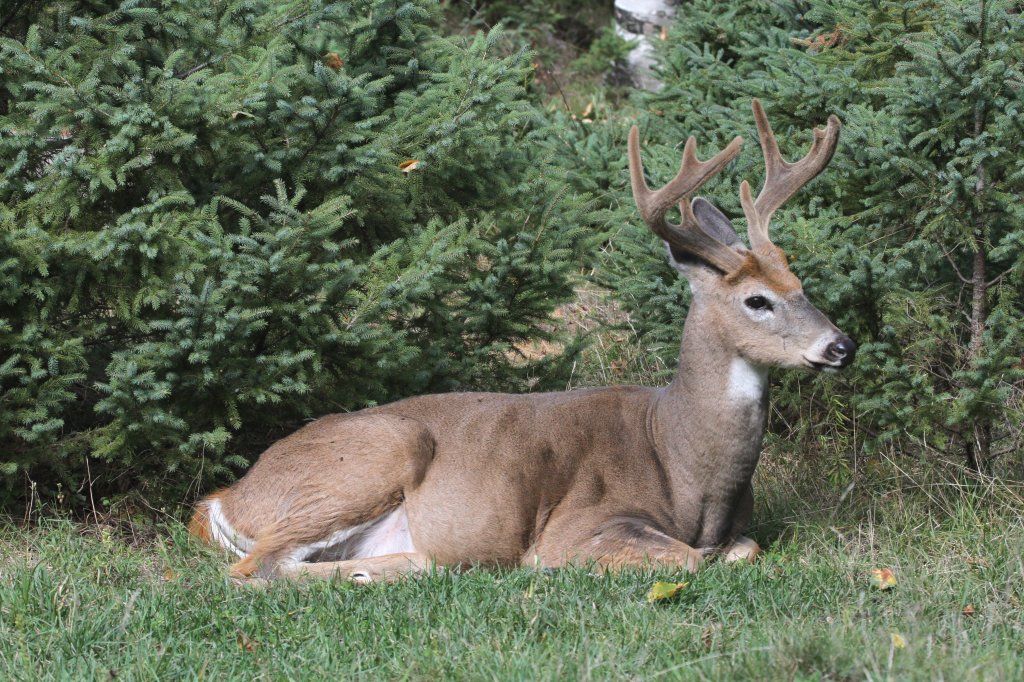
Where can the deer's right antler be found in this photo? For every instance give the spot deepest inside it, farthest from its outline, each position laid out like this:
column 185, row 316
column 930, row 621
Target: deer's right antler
column 688, row 235
column 781, row 178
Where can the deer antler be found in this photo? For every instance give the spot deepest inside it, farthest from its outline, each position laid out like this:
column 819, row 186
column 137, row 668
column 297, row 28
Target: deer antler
column 688, row 235
column 782, row 179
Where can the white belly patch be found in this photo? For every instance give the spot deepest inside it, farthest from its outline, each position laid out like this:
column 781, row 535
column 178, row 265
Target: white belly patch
column 387, row 534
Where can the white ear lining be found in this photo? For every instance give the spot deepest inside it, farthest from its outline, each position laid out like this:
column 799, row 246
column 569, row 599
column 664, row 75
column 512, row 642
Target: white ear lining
column 687, row 267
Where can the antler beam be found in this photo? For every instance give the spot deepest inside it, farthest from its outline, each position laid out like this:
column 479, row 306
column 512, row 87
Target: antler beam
column 653, row 205
column 782, row 179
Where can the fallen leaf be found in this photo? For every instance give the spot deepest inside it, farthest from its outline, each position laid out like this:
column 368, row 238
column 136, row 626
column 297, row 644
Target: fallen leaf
column 883, row 578
column 707, row 637
column 409, row 165
column 588, row 110
column 897, row 640
column 245, row 643
column 664, row 33
column 169, row 575
column 968, row 610
column 660, row 591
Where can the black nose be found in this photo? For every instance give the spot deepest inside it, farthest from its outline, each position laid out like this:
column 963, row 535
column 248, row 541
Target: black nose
column 841, row 351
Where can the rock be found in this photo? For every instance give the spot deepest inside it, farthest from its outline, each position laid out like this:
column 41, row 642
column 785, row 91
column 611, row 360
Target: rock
column 644, row 21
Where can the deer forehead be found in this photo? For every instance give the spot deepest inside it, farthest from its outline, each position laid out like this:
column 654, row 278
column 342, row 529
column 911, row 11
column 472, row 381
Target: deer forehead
column 768, row 268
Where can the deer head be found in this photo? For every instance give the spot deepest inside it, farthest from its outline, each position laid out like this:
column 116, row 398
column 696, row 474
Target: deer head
column 755, row 304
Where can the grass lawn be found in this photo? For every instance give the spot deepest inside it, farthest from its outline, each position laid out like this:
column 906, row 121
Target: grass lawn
column 97, row 602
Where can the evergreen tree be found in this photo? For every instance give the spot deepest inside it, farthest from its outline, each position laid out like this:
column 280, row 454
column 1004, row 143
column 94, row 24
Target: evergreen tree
column 221, row 218
column 949, row 166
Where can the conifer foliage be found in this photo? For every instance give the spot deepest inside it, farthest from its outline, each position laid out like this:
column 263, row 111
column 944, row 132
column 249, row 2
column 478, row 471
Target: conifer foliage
column 219, row 218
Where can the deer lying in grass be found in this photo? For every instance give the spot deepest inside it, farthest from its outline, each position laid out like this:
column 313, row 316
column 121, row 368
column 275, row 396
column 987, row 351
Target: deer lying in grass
column 622, row 475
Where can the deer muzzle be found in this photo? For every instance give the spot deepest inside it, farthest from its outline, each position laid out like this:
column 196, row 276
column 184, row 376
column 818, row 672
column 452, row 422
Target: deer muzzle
column 840, row 352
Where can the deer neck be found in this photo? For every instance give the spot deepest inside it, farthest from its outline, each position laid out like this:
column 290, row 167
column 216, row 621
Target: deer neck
column 707, row 426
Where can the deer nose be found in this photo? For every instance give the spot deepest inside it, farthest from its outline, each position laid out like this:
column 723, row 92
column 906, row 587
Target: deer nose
column 841, row 352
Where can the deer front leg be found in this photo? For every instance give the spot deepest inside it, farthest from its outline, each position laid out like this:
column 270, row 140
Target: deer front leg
column 742, row 548
column 614, row 543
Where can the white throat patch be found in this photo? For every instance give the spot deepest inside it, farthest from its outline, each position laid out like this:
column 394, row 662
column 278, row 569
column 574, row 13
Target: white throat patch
column 746, row 381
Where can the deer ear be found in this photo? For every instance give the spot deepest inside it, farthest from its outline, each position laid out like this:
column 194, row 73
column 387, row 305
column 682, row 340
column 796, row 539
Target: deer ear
column 693, row 268
column 714, row 222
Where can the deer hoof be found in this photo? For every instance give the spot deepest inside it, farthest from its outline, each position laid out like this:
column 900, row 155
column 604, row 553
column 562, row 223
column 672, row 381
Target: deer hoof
column 744, row 549
column 360, row 577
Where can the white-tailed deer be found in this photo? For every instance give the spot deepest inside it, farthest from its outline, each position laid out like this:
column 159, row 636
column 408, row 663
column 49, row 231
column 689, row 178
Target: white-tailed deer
column 622, row 475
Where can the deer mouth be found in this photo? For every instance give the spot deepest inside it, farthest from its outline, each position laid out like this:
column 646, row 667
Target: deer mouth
column 820, row 366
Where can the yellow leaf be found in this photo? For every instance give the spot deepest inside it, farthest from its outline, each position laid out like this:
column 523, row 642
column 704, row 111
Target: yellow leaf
column 660, row 591
column 409, row 165
column 897, row 640
column 969, row 610
column 883, row 578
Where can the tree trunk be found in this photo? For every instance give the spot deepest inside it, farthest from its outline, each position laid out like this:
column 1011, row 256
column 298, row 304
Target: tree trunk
column 979, row 447
column 979, row 443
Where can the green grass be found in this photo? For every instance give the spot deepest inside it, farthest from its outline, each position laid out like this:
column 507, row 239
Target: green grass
column 87, row 602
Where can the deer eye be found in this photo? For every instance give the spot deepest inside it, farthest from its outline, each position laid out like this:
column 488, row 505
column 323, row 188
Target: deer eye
column 758, row 303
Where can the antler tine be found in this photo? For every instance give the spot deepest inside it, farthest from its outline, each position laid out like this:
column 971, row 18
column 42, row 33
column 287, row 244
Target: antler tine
column 653, row 205
column 783, row 179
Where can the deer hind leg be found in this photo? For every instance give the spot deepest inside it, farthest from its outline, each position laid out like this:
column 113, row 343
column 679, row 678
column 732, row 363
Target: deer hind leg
column 317, row 521
column 616, row 543
column 339, row 496
column 387, row 568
